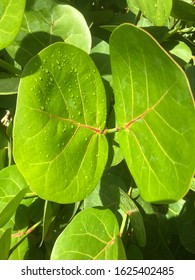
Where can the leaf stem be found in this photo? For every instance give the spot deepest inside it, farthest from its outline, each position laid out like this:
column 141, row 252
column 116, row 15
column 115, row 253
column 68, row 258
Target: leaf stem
column 111, row 130
column 10, row 68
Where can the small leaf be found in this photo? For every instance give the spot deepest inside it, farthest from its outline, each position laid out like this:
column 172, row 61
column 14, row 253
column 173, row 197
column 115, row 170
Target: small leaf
column 61, row 113
column 155, row 112
column 5, row 241
column 157, row 11
column 10, row 20
column 83, row 239
column 179, row 51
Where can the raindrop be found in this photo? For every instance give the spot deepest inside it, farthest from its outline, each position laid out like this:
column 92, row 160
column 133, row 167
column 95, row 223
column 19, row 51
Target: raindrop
column 57, row 61
column 47, row 156
column 42, row 108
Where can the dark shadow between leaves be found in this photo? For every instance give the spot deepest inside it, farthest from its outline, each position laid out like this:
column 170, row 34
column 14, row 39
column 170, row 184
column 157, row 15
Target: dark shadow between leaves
column 32, row 44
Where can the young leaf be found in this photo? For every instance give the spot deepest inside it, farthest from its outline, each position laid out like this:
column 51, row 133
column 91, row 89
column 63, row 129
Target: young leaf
column 61, row 112
column 155, row 111
column 10, row 20
column 157, row 11
column 92, row 235
column 13, row 187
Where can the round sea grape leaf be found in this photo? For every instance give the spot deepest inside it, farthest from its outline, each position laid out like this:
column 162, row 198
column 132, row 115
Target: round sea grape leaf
column 155, row 112
column 10, row 21
column 157, row 11
column 83, row 239
column 48, row 23
column 61, row 113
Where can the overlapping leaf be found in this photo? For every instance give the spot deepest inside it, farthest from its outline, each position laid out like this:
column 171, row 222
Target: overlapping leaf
column 61, row 112
column 46, row 22
column 86, row 240
column 155, row 111
column 10, row 20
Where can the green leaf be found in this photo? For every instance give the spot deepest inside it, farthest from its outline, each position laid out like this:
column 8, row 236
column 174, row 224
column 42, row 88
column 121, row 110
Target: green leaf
column 182, row 10
column 5, row 242
column 50, row 211
column 155, row 112
column 8, row 84
column 92, row 235
column 46, row 24
column 193, row 185
column 128, row 206
column 10, row 20
column 133, row 6
column 157, row 11
column 61, row 113
column 13, row 187
column 179, row 51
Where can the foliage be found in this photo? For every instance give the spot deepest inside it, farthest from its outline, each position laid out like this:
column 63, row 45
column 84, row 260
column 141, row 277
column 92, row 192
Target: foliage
column 97, row 135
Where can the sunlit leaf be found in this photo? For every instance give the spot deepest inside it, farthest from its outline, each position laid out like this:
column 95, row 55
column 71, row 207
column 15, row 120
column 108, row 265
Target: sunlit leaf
column 155, row 111
column 86, row 240
column 157, row 11
column 10, row 20
column 61, row 112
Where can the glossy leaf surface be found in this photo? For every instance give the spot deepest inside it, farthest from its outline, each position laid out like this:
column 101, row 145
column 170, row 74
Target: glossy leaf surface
column 61, row 112
column 157, row 11
column 155, row 111
column 84, row 240
column 10, row 21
